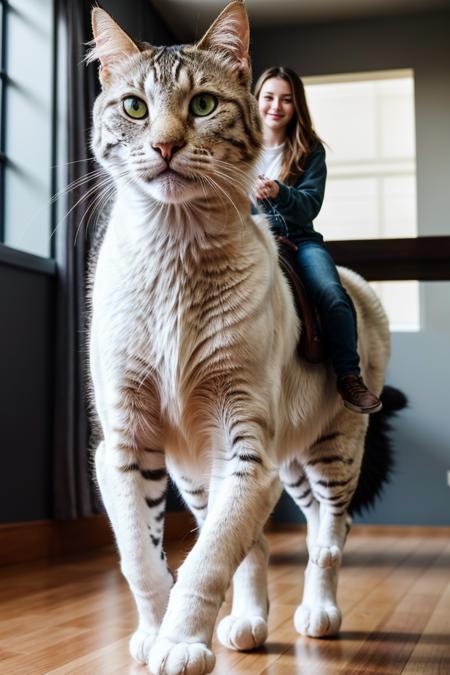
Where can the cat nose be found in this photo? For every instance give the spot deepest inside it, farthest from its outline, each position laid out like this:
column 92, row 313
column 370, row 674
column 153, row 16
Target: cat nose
column 167, row 150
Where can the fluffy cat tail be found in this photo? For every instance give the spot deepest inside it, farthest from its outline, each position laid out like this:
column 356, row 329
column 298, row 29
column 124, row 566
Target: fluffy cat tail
column 378, row 460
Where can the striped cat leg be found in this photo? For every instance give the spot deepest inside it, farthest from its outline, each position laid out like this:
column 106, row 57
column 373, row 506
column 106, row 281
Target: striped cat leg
column 234, row 522
column 193, row 491
column 332, row 468
column 296, row 484
column 133, row 488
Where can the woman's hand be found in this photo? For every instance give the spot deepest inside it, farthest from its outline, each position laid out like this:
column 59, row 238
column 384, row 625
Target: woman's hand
column 266, row 188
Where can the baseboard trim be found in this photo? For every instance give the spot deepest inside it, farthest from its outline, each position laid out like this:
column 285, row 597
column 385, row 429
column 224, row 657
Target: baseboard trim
column 372, row 530
column 33, row 540
column 24, row 542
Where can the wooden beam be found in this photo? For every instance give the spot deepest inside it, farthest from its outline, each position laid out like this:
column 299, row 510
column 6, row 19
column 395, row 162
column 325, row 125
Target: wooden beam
column 421, row 258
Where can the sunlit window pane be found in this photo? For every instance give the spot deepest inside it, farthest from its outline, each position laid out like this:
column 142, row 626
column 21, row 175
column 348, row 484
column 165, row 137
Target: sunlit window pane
column 401, row 302
column 28, row 121
column 367, row 123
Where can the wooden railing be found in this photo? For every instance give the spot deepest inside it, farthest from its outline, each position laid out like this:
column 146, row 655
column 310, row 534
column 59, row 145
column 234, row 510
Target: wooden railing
column 422, row 258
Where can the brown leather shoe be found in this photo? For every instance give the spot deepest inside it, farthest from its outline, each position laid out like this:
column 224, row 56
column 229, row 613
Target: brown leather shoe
column 356, row 396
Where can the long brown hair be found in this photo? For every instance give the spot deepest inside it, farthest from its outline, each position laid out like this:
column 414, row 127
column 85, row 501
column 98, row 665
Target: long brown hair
column 301, row 137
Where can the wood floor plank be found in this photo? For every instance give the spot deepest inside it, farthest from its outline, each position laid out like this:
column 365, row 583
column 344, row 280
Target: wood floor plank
column 390, row 645
column 75, row 617
column 431, row 655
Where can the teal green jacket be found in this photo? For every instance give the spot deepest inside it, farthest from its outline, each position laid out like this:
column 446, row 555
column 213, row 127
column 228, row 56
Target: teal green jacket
column 292, row 213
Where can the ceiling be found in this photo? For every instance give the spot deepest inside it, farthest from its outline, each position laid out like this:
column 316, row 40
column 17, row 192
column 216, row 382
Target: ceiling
column 188, row 18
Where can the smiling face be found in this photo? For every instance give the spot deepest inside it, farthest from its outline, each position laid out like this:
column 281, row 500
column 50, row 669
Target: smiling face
column 275, row 103
column 178, row 123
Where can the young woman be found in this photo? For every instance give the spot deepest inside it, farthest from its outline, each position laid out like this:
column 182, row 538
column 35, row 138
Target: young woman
column 290, row 189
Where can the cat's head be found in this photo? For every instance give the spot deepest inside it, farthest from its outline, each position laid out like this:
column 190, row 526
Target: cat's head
column 179, row 123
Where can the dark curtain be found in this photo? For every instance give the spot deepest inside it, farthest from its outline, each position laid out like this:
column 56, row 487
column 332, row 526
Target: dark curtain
column 74, row 491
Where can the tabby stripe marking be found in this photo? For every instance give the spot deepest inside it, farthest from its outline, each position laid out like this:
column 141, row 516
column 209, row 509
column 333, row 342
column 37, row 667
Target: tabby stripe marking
column 243, row 437
column 297, row 483
column 108, row 147
column 334, row 483
column 177, row 69
column 200, row 491
column 160, row 516
column 156, row 502
column 158, row 55
column 155, row 540
column 328, row 437
column 112, row 103
column 200, row 508
column 153, row 474
column 251, row 458
column 329, row 460
column 130, row 467
column 334, row 498
column 123, row 446
column 257, row 421
column 247, row 127
column 342, row 503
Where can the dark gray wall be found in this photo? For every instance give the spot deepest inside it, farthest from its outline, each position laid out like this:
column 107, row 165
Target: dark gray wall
column 418, row 493
column 140, row 20
column 26, row 378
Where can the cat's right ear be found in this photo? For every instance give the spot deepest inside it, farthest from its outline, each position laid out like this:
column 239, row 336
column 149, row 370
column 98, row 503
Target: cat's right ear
column 228, row 37
column 111, row 44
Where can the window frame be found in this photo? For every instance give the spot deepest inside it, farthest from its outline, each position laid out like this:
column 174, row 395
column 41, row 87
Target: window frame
column 9, row 254
column 3, row 79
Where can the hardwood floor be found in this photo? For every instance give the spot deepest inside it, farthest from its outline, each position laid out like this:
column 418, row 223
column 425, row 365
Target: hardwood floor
column 74, row 615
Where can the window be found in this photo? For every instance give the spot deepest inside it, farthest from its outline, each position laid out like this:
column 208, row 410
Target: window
column 401, row 302
column 26, row 124
column 367, row 123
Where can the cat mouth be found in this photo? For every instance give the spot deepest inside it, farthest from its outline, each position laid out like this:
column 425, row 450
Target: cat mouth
column 172, row 176
column 171, row 186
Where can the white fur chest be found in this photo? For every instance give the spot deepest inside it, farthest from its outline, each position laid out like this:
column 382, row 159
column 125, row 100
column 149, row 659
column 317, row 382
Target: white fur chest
column 180, row 317
column 136, row 307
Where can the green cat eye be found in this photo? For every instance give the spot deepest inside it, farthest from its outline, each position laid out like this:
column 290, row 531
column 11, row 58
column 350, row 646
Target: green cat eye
column 134, row 107
column 203, row 104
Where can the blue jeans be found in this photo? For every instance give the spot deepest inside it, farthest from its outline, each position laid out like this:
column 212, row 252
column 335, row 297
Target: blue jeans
column 317, row 270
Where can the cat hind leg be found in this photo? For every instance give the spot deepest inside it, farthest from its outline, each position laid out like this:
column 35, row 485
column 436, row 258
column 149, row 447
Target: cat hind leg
column 317, row 615
column 332, row 469
column 245, row 627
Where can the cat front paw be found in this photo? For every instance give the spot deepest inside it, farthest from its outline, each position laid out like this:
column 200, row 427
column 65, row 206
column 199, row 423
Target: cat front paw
column 140, row 645
column 317, row 622
column 180, row 658
column 242, row 633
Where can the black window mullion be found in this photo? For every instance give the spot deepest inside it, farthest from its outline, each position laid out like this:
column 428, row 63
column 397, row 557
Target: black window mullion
column 54, row 132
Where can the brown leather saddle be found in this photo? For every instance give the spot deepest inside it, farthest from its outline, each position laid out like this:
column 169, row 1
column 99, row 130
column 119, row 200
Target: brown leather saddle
column 311, row 344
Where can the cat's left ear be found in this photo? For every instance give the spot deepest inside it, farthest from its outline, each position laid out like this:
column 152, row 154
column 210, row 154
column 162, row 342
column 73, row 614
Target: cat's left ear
column 112, row 44
column 229, row 37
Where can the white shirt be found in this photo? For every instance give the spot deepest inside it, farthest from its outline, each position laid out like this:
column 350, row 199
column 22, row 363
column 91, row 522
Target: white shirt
column 269, row 164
